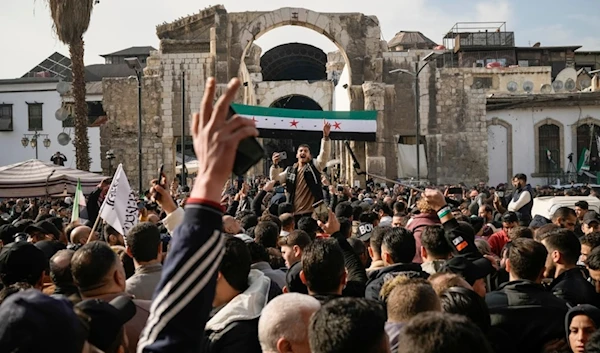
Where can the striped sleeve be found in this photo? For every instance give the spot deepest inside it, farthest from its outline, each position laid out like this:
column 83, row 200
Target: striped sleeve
column 183, row 299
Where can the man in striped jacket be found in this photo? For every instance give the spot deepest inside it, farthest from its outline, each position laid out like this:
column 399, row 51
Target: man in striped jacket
column 184, row 296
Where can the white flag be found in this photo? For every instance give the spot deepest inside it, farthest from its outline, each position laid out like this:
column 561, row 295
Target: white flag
column 120, row 209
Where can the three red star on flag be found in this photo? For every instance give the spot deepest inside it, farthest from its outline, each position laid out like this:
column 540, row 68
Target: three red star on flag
column 336, row 125
column 294, row 123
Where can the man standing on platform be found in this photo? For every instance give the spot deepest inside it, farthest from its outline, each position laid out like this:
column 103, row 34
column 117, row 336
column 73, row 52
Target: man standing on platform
column 303, row 179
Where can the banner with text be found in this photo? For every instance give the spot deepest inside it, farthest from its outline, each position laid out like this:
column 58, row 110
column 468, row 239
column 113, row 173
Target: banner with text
column 120, row 208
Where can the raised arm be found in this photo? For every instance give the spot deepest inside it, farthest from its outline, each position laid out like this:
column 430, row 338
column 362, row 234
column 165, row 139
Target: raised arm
column 183, row 298
column 325, row 151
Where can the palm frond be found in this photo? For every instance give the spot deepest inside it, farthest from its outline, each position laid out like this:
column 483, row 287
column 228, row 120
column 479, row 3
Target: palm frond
column 71, row 18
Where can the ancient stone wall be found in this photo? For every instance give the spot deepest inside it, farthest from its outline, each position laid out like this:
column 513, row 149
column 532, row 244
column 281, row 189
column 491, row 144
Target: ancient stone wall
column 458, row 151
column 121, row 130
column 270, row 91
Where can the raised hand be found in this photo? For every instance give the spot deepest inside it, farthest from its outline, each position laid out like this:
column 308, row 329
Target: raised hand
column 216, row 140
column 326, row 129
column 270, row 185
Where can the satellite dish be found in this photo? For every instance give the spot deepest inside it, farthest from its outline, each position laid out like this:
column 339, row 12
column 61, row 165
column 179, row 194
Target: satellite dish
column 61, row 114
column 528, row 86
column 570, row 84
column 585, row 83
column 546, row 88
column 63, row 87
column 63, row 139
column 558, row 85
column 512, row 86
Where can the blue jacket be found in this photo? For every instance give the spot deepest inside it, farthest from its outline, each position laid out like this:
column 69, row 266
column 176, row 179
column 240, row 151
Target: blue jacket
column 183, row 298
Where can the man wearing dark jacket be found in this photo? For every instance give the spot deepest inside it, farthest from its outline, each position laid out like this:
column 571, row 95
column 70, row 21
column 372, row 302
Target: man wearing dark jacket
column 183, row 298
column 303, row 179
column 522, row 307
column 568, row 281
column 397, row 252
column 522, row 200
column 96, row 198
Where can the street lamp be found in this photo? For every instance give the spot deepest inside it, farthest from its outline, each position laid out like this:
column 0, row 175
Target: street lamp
column 418, row 68
column 110, row 155
column 32, row 139
column 135, row 65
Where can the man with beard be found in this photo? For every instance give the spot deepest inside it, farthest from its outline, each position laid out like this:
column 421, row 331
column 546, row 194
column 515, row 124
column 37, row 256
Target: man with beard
column 568, row 280
column 113, row 237
column 303, row 179
column 522, row 200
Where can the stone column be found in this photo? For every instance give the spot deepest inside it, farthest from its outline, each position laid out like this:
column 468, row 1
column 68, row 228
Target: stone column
column 374, row 93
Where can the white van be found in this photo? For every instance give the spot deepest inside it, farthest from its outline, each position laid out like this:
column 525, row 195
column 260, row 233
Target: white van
column 546, row 205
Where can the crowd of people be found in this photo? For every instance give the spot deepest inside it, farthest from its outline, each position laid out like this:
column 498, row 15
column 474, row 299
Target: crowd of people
column 295, row 262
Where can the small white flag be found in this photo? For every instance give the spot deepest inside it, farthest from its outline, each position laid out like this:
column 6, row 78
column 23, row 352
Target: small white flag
column 120, row 209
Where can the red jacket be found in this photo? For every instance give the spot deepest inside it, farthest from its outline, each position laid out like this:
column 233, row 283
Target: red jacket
column 416, row 225
column 497, row 242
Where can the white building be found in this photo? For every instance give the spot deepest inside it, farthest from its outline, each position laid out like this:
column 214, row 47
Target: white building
column 28, row 105
column 536, row 134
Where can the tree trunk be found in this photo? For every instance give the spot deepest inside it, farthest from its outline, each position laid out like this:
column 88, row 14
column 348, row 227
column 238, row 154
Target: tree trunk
column 81, row 141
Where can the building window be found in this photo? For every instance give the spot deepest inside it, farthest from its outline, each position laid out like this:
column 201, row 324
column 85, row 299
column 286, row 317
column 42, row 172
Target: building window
column 587, row 139
column 35, row 116
column 6, row 117
column 549, row 148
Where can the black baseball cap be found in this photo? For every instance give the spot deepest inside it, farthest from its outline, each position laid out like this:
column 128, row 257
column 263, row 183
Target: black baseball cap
column 44, row 227
column 591, row 217
column 21, row 262
column 31, row 321
column 364, row 231
column 107, row 319
column 470, row 270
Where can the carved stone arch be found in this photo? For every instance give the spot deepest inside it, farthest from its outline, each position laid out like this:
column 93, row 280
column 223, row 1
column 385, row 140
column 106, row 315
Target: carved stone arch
column 329, row 25
column 536, row 138
column 509, row 144
column 294, row 88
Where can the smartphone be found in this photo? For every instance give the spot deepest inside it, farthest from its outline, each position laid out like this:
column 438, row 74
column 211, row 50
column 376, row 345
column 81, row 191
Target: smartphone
column 249, row 152
column 455, row 191
column 159, row 181
column 161, row 170
column 282, row 155
column 321, row 212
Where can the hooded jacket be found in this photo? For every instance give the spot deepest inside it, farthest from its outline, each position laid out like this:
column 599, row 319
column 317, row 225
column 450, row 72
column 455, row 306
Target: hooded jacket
column 417, row 225
column 234, row 327
column 585, row 309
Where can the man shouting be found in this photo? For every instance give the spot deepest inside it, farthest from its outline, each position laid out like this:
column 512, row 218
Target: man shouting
column 303, row 179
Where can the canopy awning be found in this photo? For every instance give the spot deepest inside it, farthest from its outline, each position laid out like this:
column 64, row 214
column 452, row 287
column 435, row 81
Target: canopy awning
column 34, row 178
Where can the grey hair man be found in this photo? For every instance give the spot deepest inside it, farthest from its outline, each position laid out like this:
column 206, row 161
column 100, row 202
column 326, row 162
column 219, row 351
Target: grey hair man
column 283, row 324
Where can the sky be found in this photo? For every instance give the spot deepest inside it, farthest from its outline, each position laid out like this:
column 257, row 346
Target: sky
column 28, row 38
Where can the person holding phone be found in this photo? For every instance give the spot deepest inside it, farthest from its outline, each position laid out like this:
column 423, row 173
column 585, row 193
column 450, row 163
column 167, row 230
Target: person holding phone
column 303, row 179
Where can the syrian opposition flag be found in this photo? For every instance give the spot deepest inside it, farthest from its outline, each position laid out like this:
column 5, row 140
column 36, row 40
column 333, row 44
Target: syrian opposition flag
column 298, row 124
column 79, row 212
column 120, row 208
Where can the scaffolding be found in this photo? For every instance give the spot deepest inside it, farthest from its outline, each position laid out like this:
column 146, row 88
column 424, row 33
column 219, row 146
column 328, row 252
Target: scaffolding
column 485, row 36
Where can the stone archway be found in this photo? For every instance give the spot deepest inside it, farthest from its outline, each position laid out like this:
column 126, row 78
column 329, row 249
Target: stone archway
column 320, row 92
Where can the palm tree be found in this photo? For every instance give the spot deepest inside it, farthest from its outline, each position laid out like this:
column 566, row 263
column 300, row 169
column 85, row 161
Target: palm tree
column 71, row 20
